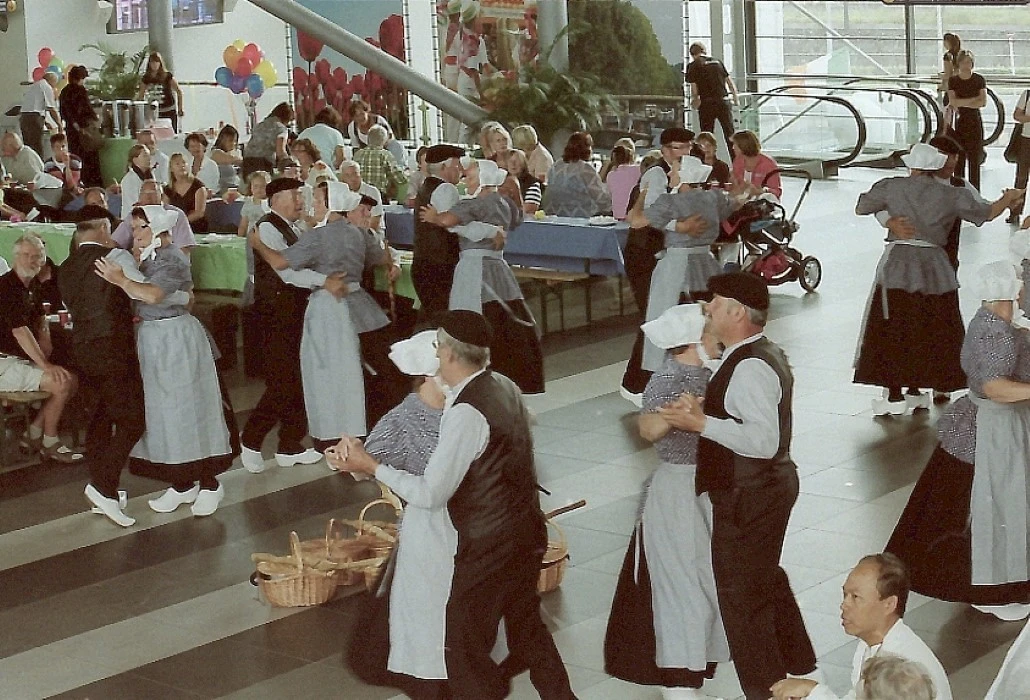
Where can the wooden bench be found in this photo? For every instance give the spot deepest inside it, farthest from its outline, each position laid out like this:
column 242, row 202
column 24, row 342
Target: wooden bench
column 17, row 409
column 553, row 283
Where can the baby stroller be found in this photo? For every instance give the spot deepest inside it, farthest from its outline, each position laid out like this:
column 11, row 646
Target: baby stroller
column 766, row 233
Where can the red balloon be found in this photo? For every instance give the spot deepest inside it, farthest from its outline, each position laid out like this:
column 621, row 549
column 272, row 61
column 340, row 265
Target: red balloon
column 253, row 52
column 309, row 46
column 45, row 55
column 38, row 72
column 244, row 67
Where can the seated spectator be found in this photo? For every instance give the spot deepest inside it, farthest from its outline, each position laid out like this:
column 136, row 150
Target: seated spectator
column 202, row 166
column 532, row 188
column 753, row 170
column 378, row 166
column 150, row 194
column 66, row 167
column 25, row 350
column 158, row 160
column 707, row 145
column 327, row 136
column 20, row 162
column 225, row 154
column 94, row 205
column 312, row 166
column 10, row 212
column 187, row 193
column 494, row 140
column 621, row 175
column 541, row 161
column 362, row 120
column 875, row 595
column 139, row 171
column 889, row 677
column 573, row 186
column 350, row 173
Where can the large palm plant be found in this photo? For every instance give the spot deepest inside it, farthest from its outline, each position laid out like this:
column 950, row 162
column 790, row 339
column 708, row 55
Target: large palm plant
column 118, row 76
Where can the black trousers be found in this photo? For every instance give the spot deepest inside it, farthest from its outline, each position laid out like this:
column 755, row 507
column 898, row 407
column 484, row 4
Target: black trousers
column 118, row 420
column 496, row 578
column 283, row 400
column 432, row 282
column 32, row 124
column 764, row 627
column 1022, row 176
column 951, row 246
column 641, row 247
column 711, row 111
column 385, row 385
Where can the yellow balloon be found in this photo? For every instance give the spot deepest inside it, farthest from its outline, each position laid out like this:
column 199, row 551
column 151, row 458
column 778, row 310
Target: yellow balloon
column 239, row 44
column 61, row 86
column 268, row 74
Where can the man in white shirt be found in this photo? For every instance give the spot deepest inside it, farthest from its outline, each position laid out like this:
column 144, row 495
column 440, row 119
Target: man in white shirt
column 150, row 195
column 38, row 102
column 875, row 595
column 350, row 173
column 158, row 159
column 744, row 464
column 324, row 134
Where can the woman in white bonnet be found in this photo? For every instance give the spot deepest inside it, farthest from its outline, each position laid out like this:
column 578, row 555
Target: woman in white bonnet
column 963, row 534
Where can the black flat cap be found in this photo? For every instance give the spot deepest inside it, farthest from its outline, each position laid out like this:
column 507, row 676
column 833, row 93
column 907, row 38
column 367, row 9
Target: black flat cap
column 443, row 151
column 674, row 134
column 947, row 145
column 92, row 211
column 467, row 327
column 282, row 184
column 750, row 290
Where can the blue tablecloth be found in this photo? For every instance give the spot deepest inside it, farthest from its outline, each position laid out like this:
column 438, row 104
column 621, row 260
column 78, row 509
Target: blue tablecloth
column 114, row 204
column 223, row 217
column 569, row 245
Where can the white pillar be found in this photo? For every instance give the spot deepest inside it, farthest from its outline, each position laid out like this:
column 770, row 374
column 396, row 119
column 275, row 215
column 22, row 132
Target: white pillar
column 552, row 16
column 159, row 30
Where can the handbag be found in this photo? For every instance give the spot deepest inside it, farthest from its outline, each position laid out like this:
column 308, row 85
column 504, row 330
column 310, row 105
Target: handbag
column 91, row 138
column 1013, row 151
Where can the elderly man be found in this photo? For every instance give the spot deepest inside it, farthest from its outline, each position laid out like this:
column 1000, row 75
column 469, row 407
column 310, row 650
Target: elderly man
column 104, row 347
column 36, row 104
column 26, row 349
column 158, row 160
column 875, row 595
column 886, row 677
column 20, row 162
column 150, row 194
column 378, row 166
column 350, row 173
column 482, row 470
column 281, row 299
column 436, row 249
column 744, row 464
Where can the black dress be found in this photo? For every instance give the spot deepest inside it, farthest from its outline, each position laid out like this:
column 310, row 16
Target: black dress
column 161, row 89
column 969, row 129
column 77, row 113
column 188, row 203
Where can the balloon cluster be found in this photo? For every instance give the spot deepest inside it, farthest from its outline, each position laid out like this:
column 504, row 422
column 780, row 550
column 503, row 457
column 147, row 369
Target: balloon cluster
column 48, row 63
column 246, row 69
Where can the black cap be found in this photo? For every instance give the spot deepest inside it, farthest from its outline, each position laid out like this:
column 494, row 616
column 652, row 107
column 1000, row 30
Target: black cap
column 93, row 211
column 467, row 327
column 282, row 184
column 443, row 151
column 947, row 145
column 674, row 134
column 365, row 199
column 750, row 290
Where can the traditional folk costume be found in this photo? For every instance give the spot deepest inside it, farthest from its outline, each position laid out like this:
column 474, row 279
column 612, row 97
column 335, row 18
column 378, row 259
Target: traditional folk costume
column 964, row 531
column 484, row 283
column 436, row 250
column 665, row 627
column 913, row 311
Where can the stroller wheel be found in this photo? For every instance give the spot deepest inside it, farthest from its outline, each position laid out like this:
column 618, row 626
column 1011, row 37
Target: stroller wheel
column 811, row 274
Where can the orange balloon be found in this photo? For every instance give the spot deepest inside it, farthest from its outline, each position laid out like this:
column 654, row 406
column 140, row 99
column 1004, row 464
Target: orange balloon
column 231, row 56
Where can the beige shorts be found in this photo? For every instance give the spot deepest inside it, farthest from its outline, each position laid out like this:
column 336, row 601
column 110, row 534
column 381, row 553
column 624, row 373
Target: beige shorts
column 17, row 374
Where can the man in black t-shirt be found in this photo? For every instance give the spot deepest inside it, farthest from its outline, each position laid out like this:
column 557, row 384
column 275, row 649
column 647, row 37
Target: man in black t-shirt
column 709, row 83
column 25, row 349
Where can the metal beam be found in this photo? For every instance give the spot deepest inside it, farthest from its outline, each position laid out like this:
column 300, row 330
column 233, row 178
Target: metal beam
column 360, row 51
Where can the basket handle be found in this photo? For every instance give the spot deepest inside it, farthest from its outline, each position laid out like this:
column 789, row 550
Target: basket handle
column 361, row 515
column 295, row 551
column 561, row 533
column 565, row 509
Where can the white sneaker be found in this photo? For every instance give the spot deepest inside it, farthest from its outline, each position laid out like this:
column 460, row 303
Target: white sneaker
column 252, row 460
column 207, row 501
column 940, row 397
column 1009, row 613
column 123, row 500
column 108, row 507
column 635, row 399
column 915, row 402
column 883, row 407
column 172, row 499
column 308, row 456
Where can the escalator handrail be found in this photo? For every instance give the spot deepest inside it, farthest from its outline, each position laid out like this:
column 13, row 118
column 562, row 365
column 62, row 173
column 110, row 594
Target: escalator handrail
column 859, row 142
column 929, row 99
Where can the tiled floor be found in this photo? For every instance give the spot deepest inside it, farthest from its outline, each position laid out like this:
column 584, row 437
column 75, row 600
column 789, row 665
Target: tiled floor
column 164, row 610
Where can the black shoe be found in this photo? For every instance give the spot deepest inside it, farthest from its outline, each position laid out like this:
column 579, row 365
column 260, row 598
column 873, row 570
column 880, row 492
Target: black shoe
column 1012, row 219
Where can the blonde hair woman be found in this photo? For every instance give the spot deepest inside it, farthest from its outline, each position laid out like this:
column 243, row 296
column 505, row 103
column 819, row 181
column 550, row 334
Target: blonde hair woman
column 186, row 192
column 524, row 138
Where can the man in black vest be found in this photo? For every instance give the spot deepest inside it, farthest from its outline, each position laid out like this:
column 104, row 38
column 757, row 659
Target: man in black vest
column 483, row 470
column 104, row 348
column 436, row 248
column 744, row 464
column 280, row 299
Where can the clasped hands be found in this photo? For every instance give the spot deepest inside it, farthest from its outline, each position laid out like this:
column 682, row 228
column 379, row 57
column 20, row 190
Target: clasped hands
column 685, row 413
column 349, row 455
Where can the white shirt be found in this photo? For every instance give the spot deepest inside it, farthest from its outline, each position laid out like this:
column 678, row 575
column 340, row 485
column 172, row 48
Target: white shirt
column 901, row 641
column 38, row 98
column 326, row 139
column 464, row 434
column 159, row 166
column 753, row 396
column 131, row 185
column 4, row 267
column 307, row 279
column 208, row 173
column 130, row 267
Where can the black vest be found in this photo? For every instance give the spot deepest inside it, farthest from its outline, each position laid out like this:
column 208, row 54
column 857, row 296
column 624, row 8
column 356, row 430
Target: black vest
column 433, row 244
column 719, row 467
column 648, row 239
column 498, row 496
column 267, row 283
column 101, row 311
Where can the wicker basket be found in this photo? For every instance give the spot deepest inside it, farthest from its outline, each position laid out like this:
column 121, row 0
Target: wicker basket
column 291, row 584
column 552, row 568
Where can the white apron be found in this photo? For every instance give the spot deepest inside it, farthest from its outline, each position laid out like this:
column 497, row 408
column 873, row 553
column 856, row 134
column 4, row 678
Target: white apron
column 330, row 365
column 668, row 281
column 678, row 544
column 467, row 289
column 1000, row 499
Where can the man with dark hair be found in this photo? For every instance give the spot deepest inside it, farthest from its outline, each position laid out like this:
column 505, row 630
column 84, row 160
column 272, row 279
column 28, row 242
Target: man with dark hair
column 436, row 249
column 744, row 464
column 875, row 596
column 39, row 101
column 483, row 470
column 709, row 82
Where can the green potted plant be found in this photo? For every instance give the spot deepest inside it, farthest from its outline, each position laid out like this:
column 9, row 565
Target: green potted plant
column 118, row 76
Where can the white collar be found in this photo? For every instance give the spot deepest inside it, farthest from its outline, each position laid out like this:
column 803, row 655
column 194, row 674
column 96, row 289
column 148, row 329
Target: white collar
column 453, row 392
column 728, row 351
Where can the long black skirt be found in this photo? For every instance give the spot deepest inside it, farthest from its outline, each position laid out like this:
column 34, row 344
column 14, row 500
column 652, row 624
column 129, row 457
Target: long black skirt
column 932, row 537
column 515, row 351
column 918, row 346
column 629, row 643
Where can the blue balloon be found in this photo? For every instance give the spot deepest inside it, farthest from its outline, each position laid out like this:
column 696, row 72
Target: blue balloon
column 56, row 70
column 223, row 76
column 255, row 85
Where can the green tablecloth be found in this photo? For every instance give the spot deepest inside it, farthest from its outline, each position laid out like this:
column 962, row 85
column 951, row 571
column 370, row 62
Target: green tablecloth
column 114, row 159
column 56, row 236
column 404, row 286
